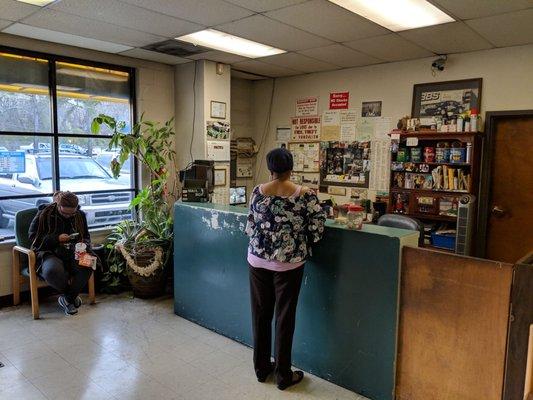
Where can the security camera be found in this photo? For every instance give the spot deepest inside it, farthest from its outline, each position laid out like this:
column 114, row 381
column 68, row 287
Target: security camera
column 439, row 63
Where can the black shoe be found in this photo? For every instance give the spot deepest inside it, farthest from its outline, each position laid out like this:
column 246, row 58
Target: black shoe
column 68, row 308
column 297, row 377
column 77, row 302
column 262, row 377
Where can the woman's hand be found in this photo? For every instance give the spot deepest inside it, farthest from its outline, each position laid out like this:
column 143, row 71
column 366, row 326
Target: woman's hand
column 64, row 238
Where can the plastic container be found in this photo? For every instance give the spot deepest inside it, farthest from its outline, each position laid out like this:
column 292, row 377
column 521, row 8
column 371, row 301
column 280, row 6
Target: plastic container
column 416, row 154
column 442, row 154
column 355, row 217
column 443, row 240
column 402, row 155
column 429, row 154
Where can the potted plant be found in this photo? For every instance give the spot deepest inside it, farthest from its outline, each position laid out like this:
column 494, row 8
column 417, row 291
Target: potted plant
column 144, row 244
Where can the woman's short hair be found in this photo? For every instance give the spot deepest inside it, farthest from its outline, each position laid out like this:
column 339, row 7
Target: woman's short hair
column 279, row 161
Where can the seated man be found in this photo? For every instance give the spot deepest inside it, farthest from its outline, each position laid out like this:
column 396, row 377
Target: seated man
column 54, row 231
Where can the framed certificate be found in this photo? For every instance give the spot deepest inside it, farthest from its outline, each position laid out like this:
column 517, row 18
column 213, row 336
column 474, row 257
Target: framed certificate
column 220, row 176
column 218, row 109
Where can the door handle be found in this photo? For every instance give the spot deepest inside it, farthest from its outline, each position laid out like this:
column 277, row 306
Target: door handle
column 497, row 211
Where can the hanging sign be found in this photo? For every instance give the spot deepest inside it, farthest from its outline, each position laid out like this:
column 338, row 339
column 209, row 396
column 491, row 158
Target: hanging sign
column 331, row 126
column 12, row 162
column 338, row 101
column 307, row 106
column 305, row 128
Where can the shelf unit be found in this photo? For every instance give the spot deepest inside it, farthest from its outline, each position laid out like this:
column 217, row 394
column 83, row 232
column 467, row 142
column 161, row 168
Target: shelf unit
column 425, row 203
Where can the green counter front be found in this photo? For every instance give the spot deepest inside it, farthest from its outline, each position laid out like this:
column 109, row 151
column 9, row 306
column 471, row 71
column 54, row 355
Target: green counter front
column 346, row 323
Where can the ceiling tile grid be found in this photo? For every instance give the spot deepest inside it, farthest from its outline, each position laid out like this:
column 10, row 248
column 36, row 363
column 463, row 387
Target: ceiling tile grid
column 204, row 12
column 317, row 34
column 68, row 23
column 340, row 55
column 328, row 20
column 391, row 47
column 454, row 37
column 509, row 29
column 298, row 62
column 274, row 33
column 128, row 16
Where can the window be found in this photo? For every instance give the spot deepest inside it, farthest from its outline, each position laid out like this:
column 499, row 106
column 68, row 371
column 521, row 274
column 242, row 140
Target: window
column 47, row 104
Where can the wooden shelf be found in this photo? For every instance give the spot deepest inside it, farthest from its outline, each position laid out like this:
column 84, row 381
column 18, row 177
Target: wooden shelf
column 430, row 246
column 428, row 191
column 429, row 135
column 446, row 218
column 433, row 164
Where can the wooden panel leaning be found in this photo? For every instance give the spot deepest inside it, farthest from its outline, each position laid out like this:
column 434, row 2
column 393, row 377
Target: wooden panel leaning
column 454, row 314
column 520, row 342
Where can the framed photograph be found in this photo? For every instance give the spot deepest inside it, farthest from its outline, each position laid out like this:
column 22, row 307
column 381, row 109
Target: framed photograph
column 218, row 109
column 371, row 109
column 438, row 99
column 220, row 176
column 218, row 130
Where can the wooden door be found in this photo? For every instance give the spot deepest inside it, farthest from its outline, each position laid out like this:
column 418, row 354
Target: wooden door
column 510, row 201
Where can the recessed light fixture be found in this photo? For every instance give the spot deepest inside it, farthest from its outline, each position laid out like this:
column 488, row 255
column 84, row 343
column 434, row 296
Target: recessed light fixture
column 40, row 3
column 397, row 15
column 230, row 44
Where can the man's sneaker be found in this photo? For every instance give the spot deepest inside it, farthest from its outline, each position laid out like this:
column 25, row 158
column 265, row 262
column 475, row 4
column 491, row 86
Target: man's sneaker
column 67, row 307
column 77, row 302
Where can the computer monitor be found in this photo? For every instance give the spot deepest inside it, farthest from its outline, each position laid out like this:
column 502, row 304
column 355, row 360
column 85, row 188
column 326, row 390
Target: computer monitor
column 237, row 195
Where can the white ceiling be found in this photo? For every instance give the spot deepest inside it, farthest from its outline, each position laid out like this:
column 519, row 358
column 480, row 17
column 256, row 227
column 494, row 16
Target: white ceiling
column 318, row 35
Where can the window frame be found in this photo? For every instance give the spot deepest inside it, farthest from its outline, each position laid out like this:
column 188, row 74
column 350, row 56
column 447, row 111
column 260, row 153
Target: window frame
column 54, row 135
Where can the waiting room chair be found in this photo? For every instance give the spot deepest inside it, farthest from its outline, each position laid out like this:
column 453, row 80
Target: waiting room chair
column 403, row 222
column 27, row 269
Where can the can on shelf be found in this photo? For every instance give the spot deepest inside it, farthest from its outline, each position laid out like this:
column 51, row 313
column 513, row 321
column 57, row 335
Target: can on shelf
column 402, row 155
column 457, row 155
column 442, row 154
column 429, row 154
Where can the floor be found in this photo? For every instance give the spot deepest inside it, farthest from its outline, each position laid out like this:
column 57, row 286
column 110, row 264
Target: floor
column 124, row 348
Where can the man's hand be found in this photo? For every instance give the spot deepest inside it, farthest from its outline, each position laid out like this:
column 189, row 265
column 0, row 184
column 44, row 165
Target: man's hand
column 64, row 238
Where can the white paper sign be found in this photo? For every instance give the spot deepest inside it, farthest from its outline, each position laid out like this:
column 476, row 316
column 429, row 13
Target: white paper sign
column 305, row 129
column 348, row 116
column 307, row 106
column 218, row 150
column 283, row 134
column 348, row 132
column 412, row 141
column 330, row 118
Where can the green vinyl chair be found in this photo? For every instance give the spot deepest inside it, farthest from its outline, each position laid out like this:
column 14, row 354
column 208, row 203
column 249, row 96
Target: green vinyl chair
column 24, row 268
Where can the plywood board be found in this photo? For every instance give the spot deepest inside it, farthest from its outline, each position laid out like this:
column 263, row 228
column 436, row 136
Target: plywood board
column 454, row 314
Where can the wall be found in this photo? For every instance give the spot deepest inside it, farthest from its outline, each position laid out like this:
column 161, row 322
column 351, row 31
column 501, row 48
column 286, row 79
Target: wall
column 242, row 114
column 506, row 73
column 155, row 97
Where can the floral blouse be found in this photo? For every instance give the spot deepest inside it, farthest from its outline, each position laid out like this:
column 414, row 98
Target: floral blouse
column 283, row 228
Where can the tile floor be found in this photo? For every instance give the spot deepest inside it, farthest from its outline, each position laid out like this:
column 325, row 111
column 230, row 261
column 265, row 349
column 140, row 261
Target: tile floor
column 124, row 348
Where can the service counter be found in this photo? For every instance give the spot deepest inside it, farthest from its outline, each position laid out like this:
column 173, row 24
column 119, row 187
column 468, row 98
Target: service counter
column 347, row 318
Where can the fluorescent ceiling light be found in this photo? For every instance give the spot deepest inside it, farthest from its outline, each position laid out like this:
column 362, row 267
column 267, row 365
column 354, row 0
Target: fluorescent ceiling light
column 230, row 44
column 40, row 3
column 397, row 15
column 64, row 38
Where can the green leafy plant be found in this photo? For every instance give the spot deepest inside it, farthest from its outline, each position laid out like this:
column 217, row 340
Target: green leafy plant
column 151, row 144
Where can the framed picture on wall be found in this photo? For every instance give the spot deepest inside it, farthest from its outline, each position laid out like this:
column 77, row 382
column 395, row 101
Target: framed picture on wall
column 220, row 176
column 218, row 109
column 438, row 99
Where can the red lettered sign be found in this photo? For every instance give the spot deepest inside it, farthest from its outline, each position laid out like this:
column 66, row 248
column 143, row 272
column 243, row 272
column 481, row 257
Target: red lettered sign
column 339, row 100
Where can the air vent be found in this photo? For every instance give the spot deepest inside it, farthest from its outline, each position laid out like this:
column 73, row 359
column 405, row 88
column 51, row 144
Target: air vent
column 176, row 48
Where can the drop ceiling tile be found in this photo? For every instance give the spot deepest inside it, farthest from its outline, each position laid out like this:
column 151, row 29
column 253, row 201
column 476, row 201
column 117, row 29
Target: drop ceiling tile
column 204, row 12
column 389, row 48
column 454, row 37
column 340, row 55
column 468, row 9
column 64, row 38
column 14, row 10
column 4, row 23
column 245, row 75
column 261, row 68
column 154, row 56
column 127, row 15
column 298, row 62
column 510, row 29
column 68, row 23
column 267, row 31
column 264, row 5
column 218, row 56
column 328, row 20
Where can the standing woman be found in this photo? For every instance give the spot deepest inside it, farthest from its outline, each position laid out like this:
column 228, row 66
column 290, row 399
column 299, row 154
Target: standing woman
column 284, row 220
column 50, row 233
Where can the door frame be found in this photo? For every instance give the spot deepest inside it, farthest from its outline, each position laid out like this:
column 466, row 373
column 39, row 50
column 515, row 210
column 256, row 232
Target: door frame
column 485, row 198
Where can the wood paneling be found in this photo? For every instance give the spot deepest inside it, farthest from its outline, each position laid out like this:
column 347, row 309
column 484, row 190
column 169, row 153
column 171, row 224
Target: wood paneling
column 519, row 329
column 453, row 326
